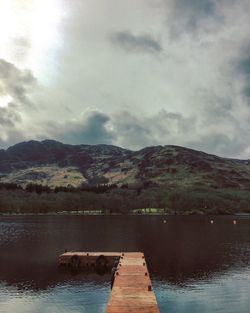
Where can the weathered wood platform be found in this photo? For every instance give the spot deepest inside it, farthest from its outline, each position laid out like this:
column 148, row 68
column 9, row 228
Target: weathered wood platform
column 132, row 290
column 87, row 259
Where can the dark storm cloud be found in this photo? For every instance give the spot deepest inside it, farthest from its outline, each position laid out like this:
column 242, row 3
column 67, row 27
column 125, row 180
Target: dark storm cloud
column 91, row 128
column 136, row 43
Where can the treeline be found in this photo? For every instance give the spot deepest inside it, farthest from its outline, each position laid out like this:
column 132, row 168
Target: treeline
column 110, row 199
column 39, row 189
column 115, row 201
column 10, row 186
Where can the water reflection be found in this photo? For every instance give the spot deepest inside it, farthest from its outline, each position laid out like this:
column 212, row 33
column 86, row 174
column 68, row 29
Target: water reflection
column 189, row 260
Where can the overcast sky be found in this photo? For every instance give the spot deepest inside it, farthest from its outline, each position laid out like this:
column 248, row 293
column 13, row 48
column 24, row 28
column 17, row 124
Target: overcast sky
column 129, row 73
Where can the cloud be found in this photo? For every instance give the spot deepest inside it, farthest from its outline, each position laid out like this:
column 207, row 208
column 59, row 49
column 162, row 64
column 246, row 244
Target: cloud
column 193, row 12
column 162, row 128
column 136, row 43
column 14, row 87
column 221, row 144
column 243, row 70
column 123, row 129
column 21, row 47
column 90, row 128
column 224, row 138
column 195, row 92
column 8, row 116
column 184, row 16
column 244, row 66
column 15, row 82
column 246, row 92
column 135, row 131
column 222, row 135
column 131, row 131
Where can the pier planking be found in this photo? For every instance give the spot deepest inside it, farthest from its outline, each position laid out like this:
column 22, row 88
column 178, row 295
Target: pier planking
column 132, row 290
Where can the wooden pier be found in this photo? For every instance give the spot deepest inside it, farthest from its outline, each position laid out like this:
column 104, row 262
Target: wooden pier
column 132, row 290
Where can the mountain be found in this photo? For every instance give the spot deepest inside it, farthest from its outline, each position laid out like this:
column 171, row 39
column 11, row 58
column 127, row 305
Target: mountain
column 56, row 164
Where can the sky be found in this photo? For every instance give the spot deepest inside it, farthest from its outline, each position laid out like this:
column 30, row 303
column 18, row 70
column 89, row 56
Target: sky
column 130, row 73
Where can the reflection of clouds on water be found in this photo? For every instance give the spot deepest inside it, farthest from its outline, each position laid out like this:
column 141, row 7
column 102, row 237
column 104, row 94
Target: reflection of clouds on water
column 87, row 298
column 190, row 261
column 225, row 293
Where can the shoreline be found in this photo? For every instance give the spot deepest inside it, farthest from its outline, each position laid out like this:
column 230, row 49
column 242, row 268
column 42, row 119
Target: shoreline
column 73, row 213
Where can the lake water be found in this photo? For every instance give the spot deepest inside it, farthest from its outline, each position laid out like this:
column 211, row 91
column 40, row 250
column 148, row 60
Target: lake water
column 195, row 266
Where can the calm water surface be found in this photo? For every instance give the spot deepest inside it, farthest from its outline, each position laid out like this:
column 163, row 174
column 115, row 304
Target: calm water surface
column 195, row 266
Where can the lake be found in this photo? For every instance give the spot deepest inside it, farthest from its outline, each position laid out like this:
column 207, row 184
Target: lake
column 195, row 266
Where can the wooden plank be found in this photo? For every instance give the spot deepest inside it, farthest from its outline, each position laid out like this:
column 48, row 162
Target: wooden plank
column 92, row 254
column 132, row 290
column 136, row 269
column 88, row 259
column 149, row 308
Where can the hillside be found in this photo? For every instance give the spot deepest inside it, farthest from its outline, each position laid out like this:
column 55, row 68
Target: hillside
column 55, row 164
column 48, row 176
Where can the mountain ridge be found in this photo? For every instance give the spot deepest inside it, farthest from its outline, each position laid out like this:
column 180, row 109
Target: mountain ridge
column 50, row 162
column 54, row 142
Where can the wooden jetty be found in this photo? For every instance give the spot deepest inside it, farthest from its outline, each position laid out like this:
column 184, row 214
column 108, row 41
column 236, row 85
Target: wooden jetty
column 132, row 290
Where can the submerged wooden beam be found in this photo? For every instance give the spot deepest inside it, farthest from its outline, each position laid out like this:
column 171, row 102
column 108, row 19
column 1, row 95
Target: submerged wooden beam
column 132, row 290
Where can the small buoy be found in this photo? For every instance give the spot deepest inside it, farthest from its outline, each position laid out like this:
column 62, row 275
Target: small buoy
column 235, row 222
column 164, row 221
column 212, row 221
